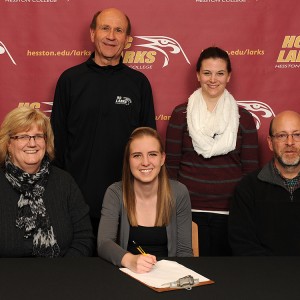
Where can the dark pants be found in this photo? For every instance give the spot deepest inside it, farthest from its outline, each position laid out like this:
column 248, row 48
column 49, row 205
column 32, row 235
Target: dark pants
column 212, row 233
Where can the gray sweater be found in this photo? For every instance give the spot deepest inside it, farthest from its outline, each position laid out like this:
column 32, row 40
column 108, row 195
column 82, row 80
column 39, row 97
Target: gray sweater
column 68, row 213
column 114, row 225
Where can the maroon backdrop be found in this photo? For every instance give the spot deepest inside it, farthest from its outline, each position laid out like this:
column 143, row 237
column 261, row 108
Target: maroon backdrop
column 41, row 38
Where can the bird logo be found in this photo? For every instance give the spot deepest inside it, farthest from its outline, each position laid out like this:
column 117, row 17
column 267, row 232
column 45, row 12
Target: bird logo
column 258, row 110
column 163, row 44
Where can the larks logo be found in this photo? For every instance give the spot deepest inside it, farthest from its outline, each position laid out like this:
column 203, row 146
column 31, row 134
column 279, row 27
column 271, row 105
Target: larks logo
column 257, row 109
column 289, row 56
column 162, row 44
column 123, row 100
column 3, row 50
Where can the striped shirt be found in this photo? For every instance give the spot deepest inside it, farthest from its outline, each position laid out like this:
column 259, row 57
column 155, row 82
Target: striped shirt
column 210, row 181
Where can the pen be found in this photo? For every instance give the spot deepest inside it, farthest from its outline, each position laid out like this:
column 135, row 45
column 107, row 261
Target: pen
column 139, row 248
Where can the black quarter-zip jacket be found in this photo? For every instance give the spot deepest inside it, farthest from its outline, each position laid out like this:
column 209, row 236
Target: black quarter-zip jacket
column 264, row 217
column 95, row 109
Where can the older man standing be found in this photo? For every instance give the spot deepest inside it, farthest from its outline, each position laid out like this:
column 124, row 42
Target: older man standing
column 265, row 212
column 97, row 105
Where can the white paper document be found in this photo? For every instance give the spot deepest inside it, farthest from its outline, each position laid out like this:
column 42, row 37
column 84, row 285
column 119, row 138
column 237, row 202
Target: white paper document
column 164, row 272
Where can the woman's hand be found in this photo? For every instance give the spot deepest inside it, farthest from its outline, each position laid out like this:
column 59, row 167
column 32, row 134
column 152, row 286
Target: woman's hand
column 141, row 263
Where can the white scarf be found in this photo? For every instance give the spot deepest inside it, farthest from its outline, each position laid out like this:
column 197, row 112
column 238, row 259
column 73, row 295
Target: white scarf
column 213, row 133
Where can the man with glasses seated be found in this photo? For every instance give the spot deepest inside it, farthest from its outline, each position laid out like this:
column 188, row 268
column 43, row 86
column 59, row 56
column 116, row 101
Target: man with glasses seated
column 265, row 210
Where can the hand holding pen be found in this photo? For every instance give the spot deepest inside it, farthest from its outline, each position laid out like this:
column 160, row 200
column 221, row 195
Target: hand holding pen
column 142, row 263
column 150, row 259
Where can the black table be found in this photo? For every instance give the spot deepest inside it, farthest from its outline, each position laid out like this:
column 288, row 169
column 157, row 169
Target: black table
column 92, row 278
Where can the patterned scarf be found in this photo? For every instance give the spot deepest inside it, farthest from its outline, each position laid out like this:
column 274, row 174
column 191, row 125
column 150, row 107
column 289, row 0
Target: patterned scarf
column 32, row 214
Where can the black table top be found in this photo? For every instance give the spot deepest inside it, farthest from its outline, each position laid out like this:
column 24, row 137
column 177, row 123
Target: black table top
column 94, row 278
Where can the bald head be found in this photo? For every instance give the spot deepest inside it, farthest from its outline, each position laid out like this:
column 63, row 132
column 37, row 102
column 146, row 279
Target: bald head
column 111, row 12
column 285, row 121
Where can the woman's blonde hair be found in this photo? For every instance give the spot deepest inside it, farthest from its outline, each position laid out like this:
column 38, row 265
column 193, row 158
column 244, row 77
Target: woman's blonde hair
column 22, row 119
column 164, row 196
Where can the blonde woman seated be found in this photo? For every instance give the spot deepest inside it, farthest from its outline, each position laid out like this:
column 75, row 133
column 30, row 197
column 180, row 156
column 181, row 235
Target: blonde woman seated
column 146, row 208
column 42, row 213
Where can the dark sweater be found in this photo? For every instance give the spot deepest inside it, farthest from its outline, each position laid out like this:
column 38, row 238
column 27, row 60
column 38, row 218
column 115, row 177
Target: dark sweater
column 210, row 181
column 95, row 110
column 264, row 216
column 67, row 211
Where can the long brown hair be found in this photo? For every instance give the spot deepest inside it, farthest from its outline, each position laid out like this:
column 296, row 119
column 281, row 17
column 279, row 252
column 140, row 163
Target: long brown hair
column 164, row 195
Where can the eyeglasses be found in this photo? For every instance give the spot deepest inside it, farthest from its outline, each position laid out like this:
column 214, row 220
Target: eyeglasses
column 25, row 138
column 282, row 137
